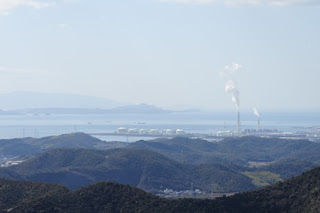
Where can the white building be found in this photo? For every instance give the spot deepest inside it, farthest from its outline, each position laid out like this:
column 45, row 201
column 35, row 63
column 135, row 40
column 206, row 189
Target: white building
column 122, row 130
column 180, row 132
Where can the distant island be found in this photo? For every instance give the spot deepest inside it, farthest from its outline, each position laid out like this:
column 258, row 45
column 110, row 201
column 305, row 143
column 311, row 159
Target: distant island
column 129, row 109
column 46, row 103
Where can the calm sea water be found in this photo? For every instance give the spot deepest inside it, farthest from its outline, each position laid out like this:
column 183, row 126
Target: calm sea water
column 16, row 126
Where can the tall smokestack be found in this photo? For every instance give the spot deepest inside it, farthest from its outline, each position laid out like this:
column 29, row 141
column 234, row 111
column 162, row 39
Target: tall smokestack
column 256, row 113
column 239, row 124
column 232, row 89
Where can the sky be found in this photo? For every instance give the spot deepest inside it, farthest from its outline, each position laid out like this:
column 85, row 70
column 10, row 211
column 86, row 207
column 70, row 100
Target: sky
column 169, row 53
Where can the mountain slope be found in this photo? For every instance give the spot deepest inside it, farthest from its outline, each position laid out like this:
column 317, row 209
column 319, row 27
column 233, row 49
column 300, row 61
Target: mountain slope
column 286, row 158
column 289, row 167
column 14, row 193
column 101, row 197
column 141, row 168
column 299, row 194
column 29, row 146
column 240, row 150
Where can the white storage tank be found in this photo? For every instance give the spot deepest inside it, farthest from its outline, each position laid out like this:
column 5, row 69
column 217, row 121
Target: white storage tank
column 133, row 131
column 180, row 132
column 154, row 132
column 122, row 130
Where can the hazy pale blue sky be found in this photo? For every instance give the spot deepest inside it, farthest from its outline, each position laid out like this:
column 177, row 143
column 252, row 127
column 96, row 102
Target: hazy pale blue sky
column 167, row 53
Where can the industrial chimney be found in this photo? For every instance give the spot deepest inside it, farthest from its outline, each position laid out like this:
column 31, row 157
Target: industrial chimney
column 256, row 112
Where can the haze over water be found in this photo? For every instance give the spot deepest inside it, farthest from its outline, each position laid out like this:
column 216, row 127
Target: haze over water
column 13, row 126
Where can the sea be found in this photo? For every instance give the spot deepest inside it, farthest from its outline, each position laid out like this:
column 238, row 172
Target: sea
column 42, row 125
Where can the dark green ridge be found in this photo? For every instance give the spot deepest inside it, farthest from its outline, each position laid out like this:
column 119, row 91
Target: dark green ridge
column 299, row 194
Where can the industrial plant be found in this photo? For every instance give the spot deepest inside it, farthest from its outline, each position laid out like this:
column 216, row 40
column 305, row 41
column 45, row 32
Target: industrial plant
column 150, row 132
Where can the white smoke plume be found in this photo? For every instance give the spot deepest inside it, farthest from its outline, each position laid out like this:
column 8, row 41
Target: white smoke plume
column 231, row 86
column 256, row 112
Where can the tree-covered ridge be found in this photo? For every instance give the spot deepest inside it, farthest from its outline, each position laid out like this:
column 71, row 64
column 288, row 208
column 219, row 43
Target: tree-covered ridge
column 286, row 158
column 142, row 168
column 14, row 193
column 194, row 151
column 299, row 194
column 29, row 146
column 177, row 163
column 240, row 150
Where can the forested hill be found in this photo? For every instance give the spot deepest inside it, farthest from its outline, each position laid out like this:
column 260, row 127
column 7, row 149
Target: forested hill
column 30, row 146
column 299, row 194
column 286, row 158
column 231, row 165
column 13, row 192
column 142, row 168
column 241, row 150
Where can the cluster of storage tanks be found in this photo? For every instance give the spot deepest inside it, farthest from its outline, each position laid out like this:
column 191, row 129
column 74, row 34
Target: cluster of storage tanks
column 123, row 130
